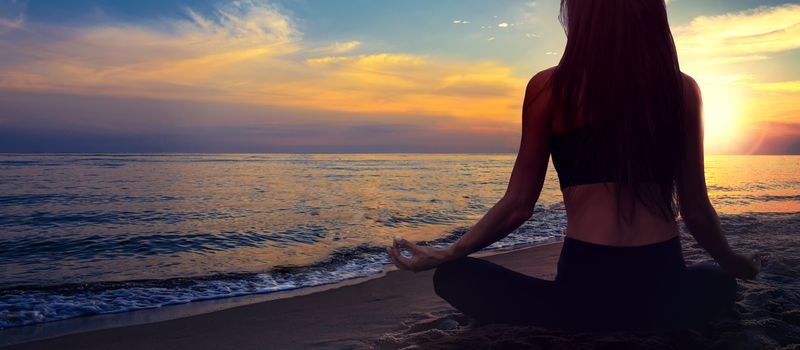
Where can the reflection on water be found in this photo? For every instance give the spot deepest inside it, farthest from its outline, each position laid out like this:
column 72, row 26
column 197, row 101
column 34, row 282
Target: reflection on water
column 66, row 218
column 78, row 226
column 746, row 184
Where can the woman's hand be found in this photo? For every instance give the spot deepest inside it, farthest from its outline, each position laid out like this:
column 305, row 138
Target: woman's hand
column 741, row 266
column 422, row 258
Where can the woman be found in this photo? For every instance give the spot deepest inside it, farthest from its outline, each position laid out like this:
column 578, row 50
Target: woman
column 623, row 126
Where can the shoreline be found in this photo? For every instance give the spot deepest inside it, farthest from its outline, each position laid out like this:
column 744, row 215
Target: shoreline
column 400, row 310
column 84, row 324
column 49, row 334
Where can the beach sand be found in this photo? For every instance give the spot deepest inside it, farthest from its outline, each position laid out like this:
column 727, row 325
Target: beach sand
column 400, row 310
column 365, row 315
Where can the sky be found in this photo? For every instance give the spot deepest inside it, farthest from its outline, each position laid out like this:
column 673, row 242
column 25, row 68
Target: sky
column 352, row 75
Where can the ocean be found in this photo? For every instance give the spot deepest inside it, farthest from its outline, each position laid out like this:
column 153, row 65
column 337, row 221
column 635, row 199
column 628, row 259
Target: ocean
column 88, row 234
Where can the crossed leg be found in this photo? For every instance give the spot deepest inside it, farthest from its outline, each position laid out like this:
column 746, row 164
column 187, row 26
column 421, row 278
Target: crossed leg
column 491, row 293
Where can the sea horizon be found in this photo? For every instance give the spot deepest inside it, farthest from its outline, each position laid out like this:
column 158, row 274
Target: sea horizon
column 349, row 153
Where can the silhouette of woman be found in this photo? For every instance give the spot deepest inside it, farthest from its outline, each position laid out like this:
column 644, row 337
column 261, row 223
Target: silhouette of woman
column 623, row 125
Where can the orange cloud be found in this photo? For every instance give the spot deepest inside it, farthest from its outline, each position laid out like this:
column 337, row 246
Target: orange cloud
column 253, row 53
column 784, row 86
column 743, row 36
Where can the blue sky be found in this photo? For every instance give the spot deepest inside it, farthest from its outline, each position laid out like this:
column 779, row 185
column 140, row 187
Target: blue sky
column 389, row 25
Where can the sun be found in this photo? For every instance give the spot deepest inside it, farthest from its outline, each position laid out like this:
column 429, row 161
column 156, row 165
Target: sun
column 722, row 106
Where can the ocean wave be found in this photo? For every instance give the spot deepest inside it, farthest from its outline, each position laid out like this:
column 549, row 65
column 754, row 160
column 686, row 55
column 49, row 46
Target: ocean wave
column 63, row 248
column 21, row 306
column 24, row 200
column 109, row 217
column 25, row 305
column 772, row 234
column 748, row 198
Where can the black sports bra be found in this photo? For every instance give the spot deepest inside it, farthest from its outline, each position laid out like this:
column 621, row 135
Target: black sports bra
column 596, row 166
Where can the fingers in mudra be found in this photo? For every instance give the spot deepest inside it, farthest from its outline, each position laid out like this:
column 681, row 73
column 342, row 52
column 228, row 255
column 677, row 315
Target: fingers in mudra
column 422, row 258
column 396, row 255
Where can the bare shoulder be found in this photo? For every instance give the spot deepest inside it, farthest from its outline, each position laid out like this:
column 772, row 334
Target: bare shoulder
column 540, row 80
column 537, row 106
column 690, row 87
column 688, row 79
column 691, row 92
column 538, row 85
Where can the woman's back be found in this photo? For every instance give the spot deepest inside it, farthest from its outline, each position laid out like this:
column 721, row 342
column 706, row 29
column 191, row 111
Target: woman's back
column 617, row 134
column 591, row 196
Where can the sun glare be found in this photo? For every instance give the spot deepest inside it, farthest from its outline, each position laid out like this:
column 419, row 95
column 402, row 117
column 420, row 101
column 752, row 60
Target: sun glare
column 722, row 104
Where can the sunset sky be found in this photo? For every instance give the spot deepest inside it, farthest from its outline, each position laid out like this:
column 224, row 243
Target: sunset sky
column 351, row 75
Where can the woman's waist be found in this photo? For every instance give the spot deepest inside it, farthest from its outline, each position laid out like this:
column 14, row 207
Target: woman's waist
column 608, row 229
column 594, row 215
column 584, row 262
column 614, row 236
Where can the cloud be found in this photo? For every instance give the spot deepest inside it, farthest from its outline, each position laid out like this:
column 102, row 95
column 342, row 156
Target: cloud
column 784, row 86
column 12, row 15
column 251, row 52
column 412, row 84
column 775, row 102
column 186, row 55
column 339, row 47
column 528, row 13
column 737, row 37
column 12, row 23
column 71, row 123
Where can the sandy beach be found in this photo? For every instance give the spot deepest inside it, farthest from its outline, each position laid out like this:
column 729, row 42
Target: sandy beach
column 358, row 316
column 400, row 310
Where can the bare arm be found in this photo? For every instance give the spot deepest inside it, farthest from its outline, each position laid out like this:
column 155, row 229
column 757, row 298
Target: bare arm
column 527, row 177
column 695, row 207
column 516, row 206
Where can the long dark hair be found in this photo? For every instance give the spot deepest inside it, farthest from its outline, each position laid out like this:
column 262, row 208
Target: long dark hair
column 620, row 74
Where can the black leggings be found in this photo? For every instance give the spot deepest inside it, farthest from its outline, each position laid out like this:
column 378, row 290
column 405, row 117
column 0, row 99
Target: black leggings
column 597, row 288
